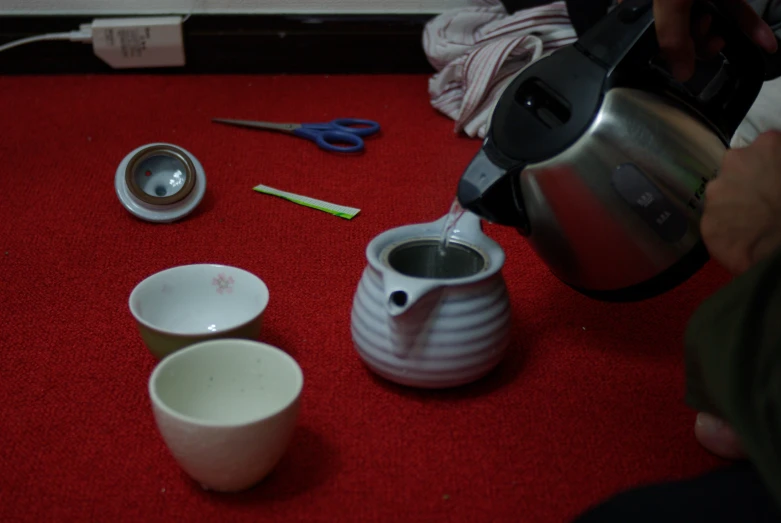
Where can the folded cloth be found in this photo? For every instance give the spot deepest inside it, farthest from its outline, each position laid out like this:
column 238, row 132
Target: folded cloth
column 478, row 50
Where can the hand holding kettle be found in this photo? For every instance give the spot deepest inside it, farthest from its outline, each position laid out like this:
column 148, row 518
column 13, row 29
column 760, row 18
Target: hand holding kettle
column 741, row 222
column 681, row 38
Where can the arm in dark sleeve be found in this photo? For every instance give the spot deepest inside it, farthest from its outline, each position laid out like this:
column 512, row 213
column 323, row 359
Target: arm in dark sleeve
column 733, row 360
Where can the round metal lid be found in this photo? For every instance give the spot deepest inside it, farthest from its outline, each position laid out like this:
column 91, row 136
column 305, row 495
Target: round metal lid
column 160, row 182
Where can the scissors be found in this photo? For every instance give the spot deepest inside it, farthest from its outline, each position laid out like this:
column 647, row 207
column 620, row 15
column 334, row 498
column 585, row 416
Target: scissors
column 327, row 135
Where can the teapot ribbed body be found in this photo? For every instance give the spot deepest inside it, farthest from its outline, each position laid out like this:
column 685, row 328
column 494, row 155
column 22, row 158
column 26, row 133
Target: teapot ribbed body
column 454, row 334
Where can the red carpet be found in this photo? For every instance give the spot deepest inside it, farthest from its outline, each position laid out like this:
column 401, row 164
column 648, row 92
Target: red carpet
column 588, row 401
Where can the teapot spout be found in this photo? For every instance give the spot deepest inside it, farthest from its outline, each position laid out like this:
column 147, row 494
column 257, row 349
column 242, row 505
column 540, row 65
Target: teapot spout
column 402, row 293
column 410, row 305
column 488, row 190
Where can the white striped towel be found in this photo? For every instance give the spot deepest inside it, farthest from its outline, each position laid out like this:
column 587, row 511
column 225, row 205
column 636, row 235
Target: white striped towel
column 478, row 50
column 763, row 116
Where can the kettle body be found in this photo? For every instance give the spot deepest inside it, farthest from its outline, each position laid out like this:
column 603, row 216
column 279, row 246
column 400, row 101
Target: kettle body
column 600, row 159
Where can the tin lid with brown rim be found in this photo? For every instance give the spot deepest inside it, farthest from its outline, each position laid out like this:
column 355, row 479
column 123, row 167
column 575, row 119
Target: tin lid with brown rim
column 160, row 182
column 160, row 175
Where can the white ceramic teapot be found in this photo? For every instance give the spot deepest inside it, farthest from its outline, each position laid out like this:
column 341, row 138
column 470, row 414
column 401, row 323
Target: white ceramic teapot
column 424, row 319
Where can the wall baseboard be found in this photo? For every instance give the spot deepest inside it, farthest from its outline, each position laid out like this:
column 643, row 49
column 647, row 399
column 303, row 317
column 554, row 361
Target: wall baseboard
column 241, row 44
column 236, row 7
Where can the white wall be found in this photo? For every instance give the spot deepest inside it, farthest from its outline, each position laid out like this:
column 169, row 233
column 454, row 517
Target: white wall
column 90, row 7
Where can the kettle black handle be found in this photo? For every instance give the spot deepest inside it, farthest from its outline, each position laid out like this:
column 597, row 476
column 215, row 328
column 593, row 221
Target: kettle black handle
column 621, row 30
column 625, row 42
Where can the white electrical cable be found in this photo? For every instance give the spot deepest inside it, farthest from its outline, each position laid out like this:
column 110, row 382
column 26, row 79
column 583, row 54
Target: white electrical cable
column 84, row 36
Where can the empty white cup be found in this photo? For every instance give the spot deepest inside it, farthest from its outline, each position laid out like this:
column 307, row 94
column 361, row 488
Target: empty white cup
column 227, row 409
column 187, row 304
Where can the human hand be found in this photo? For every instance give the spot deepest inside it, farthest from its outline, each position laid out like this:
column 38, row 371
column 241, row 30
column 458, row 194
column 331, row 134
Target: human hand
column 741, row 222
column 681, row 38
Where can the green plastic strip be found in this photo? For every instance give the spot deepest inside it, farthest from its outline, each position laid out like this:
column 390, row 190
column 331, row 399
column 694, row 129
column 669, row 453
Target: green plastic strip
column 331, row 208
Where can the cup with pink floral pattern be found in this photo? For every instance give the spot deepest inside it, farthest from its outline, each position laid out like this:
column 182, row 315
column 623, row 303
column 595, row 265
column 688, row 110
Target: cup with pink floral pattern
column 187, row 304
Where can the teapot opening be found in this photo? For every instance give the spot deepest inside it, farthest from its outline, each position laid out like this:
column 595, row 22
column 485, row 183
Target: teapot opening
column 399, row 298
column 429, row 259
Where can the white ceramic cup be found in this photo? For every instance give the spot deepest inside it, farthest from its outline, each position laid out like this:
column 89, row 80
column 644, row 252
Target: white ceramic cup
column 187, row 304
column 227, row 409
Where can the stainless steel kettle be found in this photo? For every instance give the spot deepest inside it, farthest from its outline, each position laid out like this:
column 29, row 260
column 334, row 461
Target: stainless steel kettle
column 600, row 158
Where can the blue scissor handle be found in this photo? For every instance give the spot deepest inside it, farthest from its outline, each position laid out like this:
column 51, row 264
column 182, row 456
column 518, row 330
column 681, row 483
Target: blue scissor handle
column 356, row 126
column 329, row 139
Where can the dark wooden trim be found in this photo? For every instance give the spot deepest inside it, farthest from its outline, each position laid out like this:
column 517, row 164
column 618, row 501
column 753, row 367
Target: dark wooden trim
column 224, row 44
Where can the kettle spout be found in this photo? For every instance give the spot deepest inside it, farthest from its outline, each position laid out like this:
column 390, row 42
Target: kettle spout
column 488, row 190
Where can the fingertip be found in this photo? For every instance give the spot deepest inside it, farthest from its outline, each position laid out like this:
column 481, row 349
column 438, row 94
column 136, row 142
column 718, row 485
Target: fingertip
column 680, row 56
column 715, row 46
column 682, row 73
column 764, row 36
column 682, row 70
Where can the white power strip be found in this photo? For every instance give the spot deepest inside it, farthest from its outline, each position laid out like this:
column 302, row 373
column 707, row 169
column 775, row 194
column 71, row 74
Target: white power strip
column 126, row 43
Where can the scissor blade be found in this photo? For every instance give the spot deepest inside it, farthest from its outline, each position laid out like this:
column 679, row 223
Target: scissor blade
column 269, row 126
